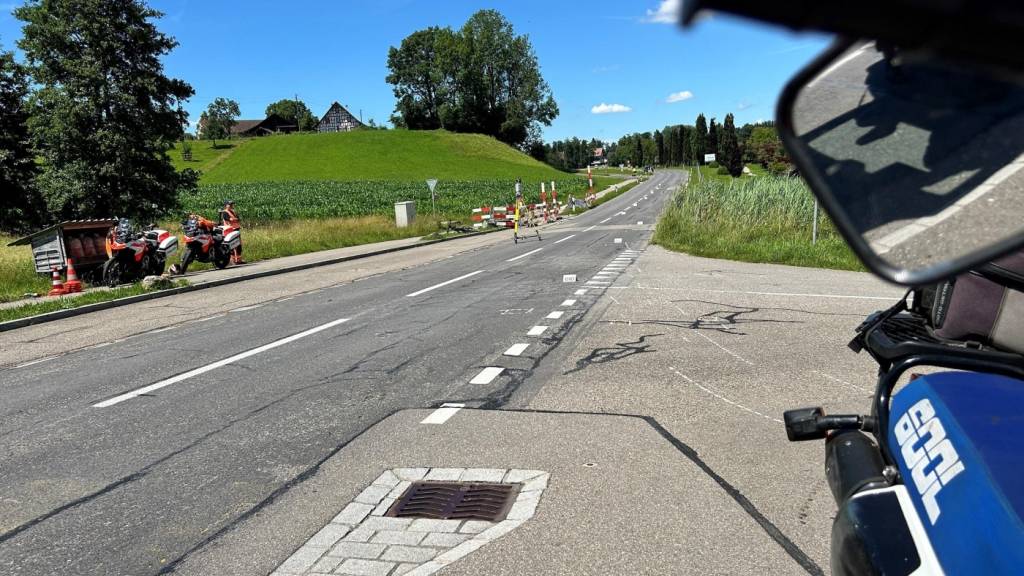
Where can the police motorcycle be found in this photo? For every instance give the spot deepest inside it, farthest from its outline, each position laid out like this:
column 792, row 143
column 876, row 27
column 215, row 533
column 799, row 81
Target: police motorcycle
column 909, row 130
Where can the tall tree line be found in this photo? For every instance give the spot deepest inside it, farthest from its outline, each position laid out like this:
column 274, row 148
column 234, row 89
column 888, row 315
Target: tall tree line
column 569, row 154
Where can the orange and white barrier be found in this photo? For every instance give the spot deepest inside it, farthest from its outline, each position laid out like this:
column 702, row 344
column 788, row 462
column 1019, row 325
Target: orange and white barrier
column 73, row 284
column 56, row 285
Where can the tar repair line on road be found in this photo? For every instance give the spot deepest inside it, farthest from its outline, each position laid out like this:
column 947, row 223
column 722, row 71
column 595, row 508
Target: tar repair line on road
column 215, row 365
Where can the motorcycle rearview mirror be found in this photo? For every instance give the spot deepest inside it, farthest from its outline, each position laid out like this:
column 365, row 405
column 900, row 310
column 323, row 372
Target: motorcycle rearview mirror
column 917, row 160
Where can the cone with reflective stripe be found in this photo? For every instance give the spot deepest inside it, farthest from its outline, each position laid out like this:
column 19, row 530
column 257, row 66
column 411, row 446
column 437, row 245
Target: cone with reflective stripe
column 57, row 287
column 73, row 284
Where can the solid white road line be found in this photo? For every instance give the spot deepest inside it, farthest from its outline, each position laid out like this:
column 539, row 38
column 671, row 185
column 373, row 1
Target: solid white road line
column 516, row 350
column 487, row 375
column 568, row 302
column 442, row 414
column 580, row 292
column 445, row 283
column 564, row 239
column 591, row 228
column 603, row 221
column 596, row 282
column 536, row 330
column 215, row 365
column 513, row 259
column 555, row 315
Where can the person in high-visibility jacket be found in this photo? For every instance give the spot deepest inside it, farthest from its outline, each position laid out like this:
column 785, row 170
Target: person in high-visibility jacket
column 229, row 217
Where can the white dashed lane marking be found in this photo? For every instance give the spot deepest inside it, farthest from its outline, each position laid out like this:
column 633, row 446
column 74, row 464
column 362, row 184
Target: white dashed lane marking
column 445, row 283
column 536, row 330
column 568, row 302
column 442, row 414
column 513, row 259
column 564, row 239
column 580, row 292
column 516, row 350
column 487, row 375
column 555, row 315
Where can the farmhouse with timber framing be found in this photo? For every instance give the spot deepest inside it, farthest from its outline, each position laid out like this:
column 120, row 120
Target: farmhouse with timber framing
column 272, row 124
column 338, row 119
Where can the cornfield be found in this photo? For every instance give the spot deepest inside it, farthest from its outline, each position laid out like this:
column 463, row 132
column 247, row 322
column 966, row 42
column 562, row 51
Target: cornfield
column 270, row 201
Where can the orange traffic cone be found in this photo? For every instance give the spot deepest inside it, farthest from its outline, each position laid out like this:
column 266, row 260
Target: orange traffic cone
column 73, row 284
column 57, row 287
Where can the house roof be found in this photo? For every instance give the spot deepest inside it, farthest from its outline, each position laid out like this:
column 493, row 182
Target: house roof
column 244, row 126
column 337, row 105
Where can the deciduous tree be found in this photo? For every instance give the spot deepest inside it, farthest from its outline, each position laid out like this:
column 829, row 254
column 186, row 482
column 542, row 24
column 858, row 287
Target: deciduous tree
column 296, row 111
column 104, row 114
column 220, row 117
column 482, row 78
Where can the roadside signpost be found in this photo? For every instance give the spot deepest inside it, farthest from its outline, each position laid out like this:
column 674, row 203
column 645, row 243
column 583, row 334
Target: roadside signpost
column 709, row 158
column 430, row 184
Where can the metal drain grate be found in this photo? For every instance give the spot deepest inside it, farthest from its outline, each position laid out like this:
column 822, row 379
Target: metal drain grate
column 456, row 501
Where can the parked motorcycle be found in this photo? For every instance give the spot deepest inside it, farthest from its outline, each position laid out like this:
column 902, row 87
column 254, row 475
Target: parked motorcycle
column 914, row 146
column 132, row 255
column 207, row 245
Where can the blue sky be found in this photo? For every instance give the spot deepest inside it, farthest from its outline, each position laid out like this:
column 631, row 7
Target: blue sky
column 623, row 55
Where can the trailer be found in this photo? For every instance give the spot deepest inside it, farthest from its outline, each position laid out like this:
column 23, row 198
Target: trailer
column 85, row 241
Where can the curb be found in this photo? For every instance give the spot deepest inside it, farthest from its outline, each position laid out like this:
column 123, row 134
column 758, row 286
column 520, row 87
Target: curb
column 61, row 314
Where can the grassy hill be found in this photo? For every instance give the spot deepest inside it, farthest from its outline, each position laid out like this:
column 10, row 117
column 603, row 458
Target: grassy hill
column 364, row 155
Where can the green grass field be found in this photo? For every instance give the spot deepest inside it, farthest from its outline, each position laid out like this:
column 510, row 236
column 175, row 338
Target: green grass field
column 753, row 219
column 405, row 155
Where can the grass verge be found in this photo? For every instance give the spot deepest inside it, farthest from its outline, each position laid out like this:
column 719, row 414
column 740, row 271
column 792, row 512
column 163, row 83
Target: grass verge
column 69, row 302
column 764, row 219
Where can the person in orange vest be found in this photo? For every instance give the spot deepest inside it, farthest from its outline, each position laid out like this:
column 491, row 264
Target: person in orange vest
column 229, row 217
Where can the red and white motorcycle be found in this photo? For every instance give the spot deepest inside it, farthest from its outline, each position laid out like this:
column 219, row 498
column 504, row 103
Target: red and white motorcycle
column 207, row 245
column 133, row 255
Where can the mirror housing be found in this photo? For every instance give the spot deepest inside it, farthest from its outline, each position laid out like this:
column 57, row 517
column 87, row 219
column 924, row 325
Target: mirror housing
column 891, row 155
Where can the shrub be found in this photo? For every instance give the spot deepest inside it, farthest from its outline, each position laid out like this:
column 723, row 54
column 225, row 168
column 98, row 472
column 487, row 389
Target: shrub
column 713, row 164
column 779, row 168
column 722, row 171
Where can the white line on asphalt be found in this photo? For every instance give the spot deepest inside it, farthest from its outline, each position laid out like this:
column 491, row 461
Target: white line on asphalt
column 603, row 221
column 536, row 330
column 564, row 239
column 516, row 350
column 33, row 362
column 442, row 414
column 513, row 259
column 487, row 375
column 244, row 308
column 555, row 315
column 834, row 379
column 591, row 228
column 445, row 283
column 795, row 294
column 724, row 349
column 215, row 365
column 639, row 222
column 723, row 398
column 596, row 282
column 618, row 241
column 568, row 302
column 580, row 292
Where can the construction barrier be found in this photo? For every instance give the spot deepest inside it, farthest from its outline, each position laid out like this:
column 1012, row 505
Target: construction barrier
column 56, row 285
column 73, row 284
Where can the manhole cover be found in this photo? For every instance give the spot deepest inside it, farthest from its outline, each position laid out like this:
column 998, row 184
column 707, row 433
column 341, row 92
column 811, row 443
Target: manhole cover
column 456, row 501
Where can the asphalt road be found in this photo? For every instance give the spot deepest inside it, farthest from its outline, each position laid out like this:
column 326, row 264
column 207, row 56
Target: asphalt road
column 133, row 456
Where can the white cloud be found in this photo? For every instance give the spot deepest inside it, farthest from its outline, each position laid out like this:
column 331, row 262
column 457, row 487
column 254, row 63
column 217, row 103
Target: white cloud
column 743, row 105
column 679, row 96
column 603, row 108
column 667, row 13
